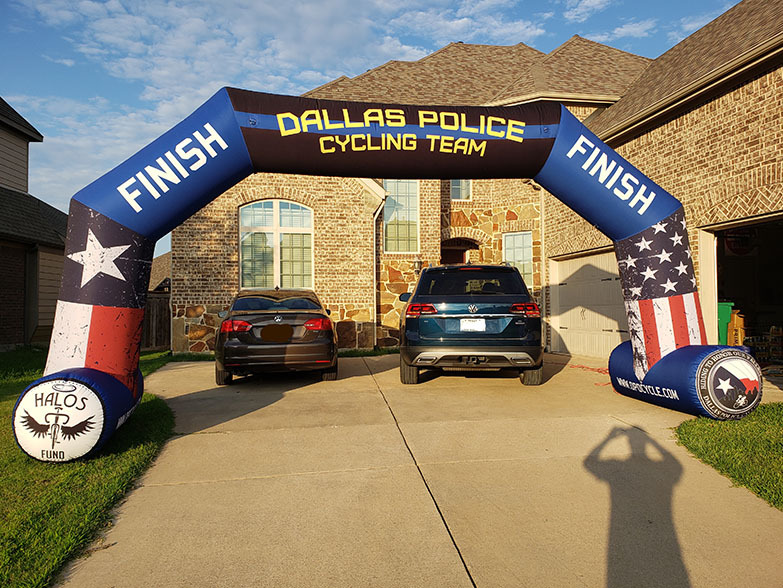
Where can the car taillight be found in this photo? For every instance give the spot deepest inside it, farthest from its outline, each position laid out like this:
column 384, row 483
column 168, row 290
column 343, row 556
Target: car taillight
column 529, row 309
column 318, row 324
column 416, row 310
column 232, row 326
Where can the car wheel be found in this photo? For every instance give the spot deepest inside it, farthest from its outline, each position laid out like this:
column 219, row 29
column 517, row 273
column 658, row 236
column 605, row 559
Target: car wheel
column 329, row 373
column 409, row 374
column 222, row 377
column 532, row 377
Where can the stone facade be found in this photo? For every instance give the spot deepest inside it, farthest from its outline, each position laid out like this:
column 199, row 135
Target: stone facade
column 205, row 256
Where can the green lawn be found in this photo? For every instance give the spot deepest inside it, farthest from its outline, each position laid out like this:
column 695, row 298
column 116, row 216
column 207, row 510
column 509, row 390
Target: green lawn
column 49, row 511
column 748, row 451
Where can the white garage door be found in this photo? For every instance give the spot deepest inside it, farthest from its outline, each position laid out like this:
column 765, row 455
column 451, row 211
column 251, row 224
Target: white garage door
column 588, row 314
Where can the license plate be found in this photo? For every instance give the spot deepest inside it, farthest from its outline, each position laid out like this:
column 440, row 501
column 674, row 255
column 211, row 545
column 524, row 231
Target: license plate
column 472, row 324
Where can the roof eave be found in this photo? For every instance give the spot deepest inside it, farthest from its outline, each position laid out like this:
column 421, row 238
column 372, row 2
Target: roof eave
column 557, row 97
column 30, row 132
column 726, row 74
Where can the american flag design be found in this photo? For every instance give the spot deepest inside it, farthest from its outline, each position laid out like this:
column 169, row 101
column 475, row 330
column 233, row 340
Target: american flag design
column 99, row 317
column 659, row 289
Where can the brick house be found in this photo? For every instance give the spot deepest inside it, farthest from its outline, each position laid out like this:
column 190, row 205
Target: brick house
column 32, row 241
column 702, row 121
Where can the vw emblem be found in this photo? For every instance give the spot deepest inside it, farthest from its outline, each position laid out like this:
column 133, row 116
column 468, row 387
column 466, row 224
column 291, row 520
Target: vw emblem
column 278, row 318
column 473, row 308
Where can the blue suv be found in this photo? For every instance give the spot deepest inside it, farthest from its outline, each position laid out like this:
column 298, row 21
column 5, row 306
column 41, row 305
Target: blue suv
column 471, row 317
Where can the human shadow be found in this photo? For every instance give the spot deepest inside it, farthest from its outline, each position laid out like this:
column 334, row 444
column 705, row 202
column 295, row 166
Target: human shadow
column 643, row 547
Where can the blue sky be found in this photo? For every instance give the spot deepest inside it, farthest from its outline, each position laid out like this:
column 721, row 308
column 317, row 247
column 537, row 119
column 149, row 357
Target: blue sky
column 102, row 79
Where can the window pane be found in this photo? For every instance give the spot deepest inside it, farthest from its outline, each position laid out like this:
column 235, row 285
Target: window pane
column 257, row 260
column 294, row 215
column 518, row 251
column 460, row 189
column 295, row 260
column 401, row 215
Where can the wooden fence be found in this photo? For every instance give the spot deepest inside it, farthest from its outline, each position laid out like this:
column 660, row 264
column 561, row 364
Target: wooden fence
column 157, row 322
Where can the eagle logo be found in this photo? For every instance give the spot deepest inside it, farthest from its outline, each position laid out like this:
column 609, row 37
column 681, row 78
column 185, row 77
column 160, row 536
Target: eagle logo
column 56, row 426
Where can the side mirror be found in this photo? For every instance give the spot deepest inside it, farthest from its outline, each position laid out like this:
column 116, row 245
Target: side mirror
column 405, row 296
column 223, row 314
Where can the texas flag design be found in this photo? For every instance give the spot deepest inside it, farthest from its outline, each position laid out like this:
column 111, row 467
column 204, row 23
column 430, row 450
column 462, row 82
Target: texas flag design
column 659, row 287
column 99, row 317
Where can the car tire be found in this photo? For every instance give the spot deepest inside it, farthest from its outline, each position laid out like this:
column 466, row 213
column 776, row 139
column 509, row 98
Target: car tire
column 329, row 373
column 409, row 374
column 222, row 377
column 532, row 377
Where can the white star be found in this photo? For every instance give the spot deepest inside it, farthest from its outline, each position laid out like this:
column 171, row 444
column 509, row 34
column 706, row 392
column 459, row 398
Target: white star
column 636, row 291
column 682, row 268
column 659, row 228
column 724, row 385
column 649, row 274
column 688, row 253
column 669, row 286
column 694, row 282
column 630, row 262
column 682, row 222
column 643, row 244
column 677, row 239
column 97, row 259
column 663, row 256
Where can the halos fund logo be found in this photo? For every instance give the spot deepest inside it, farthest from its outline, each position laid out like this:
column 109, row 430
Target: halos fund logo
column 58, row 420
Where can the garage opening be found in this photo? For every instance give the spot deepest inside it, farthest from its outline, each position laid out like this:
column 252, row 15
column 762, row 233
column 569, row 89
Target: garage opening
column 750, row 308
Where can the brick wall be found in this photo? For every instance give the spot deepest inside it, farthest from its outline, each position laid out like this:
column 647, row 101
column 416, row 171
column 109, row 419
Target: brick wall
column 721, row 159
column 205, row 256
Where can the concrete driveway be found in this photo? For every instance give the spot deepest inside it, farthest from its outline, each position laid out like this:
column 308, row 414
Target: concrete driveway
column 459, row 481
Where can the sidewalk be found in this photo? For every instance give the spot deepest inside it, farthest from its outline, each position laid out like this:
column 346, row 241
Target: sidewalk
column 458, row 481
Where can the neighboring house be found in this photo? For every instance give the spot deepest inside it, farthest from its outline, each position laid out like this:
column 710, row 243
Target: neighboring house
column 156, row 332
column 32, row 241
column 703, row 121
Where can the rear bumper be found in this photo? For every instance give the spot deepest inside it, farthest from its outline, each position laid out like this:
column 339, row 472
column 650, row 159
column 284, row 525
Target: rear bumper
column 475, row 357
column 238, row 358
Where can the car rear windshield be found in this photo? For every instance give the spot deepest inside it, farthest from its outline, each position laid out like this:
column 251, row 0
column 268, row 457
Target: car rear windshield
column 264, row 303
column 471, row 282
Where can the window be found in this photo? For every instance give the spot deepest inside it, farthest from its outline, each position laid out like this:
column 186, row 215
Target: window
column 275, row 245
column 460, row 189
column 518, row 251
column 401, row 216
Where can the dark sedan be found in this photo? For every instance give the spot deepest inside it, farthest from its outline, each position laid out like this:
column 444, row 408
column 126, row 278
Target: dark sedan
column 275, row 331
column 471, row 317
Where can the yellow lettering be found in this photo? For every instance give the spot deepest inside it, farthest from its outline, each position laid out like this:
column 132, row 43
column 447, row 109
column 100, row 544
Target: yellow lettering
column 288, row 130
column 477, row 147
column 495, row 119
column 342, row 144
column 329, row 125
column 449, row 126
column 427, row 116
column 432, row 139
column 348, row 123
column 461, row 146
column 394, row 142
column 354, row 146
column 464, row 125
column 371, row 147
column 373, row 115
column 395, row 117
column 409, row 142
column 311, row 118
column 446, row 145
column 515, row 130
column 323, row 142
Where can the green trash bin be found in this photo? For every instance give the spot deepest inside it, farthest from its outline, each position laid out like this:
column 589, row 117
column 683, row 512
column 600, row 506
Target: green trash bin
column 724, row 316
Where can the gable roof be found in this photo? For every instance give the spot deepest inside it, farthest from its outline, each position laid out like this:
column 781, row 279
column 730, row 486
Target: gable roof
column 459, row 73
column 750, row 31
column 11, row 118
column 26, row 219
column 579, row 67
column 161, row 270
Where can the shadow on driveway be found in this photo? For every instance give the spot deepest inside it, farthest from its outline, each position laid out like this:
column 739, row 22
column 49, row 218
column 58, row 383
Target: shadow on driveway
column 643, row 547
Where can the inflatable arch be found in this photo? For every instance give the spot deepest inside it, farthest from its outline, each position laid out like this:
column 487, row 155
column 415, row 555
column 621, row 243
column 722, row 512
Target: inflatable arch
column 92, row 383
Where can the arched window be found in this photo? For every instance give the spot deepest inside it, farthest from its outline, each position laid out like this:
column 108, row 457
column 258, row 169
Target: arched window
column 275, row 245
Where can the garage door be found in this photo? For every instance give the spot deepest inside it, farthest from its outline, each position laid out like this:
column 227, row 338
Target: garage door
column 588, row 313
